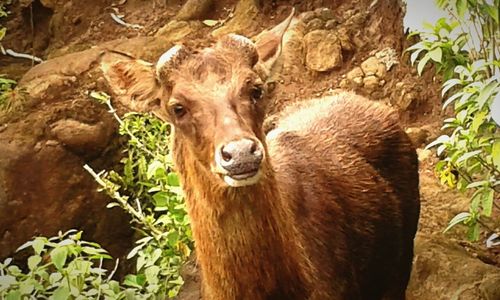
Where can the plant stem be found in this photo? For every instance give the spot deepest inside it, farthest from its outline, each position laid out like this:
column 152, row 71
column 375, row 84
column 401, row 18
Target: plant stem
column 130, row 134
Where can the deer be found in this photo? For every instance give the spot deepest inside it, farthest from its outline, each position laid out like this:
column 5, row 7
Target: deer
column 323, row 206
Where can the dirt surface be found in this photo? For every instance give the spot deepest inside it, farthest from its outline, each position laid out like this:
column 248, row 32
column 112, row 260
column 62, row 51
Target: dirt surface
column 72, row 35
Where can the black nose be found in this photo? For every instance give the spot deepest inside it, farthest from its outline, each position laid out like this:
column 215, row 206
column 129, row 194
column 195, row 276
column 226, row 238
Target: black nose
column 241, row 156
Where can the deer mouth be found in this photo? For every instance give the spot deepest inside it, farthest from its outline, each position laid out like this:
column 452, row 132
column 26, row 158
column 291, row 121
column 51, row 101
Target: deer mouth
column 242, row 179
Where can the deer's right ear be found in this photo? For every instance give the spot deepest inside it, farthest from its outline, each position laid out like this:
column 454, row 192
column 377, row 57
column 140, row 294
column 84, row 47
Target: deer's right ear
column 269, row 45
column 134, row 84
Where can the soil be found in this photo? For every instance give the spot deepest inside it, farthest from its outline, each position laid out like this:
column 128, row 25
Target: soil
column 52, row 29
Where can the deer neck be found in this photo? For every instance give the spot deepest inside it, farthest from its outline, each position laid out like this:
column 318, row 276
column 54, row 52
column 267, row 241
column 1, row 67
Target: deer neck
column 246, row 244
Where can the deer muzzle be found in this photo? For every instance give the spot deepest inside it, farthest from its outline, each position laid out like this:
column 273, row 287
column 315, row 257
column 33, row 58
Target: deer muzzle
column 239, row 161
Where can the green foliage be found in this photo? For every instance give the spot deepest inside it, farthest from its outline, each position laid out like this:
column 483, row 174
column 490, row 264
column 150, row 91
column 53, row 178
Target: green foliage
column 468, row 61
column 6, row 92
column 148, row 190
column 62, row 267
column 6, row 85
column 3, row 13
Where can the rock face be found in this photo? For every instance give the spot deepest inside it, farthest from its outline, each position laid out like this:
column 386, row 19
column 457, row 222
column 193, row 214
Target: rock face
column 43, row 187
column 443, row 270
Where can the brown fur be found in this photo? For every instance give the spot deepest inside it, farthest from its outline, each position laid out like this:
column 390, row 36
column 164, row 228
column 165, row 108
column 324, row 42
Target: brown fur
column 336, row 209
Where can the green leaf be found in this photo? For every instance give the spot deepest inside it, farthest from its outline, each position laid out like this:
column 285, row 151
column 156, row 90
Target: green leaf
column 55, row 277
column 101, row 97
column 417, row 46
column 161, row 199
column 210, row 23
column 13, row 295
column 62, row 293
column 451, row 99
column 134, row 251
column 487, row 202
column 3, row 31
column 495, row 154
column 486, row 93
column 442, row 3
column 6, row 281
column 112, row 204
column 33, row 261
column 152, row 168
column 134, row 281
column 173, row 179
column 449, row 84
column 27, row 287
column 461, row 7
column 172, row 238
column 24, row 246
column 478, row 120
column 460, row 218
column 422, row 63
column 38, row 245
column 440, row 140
column 473, row 233
column 414, row 55
column 436, row 54
column 468, row 155
column 477, row 184
column 58, row 257
column 7, row 261
column 492, row 11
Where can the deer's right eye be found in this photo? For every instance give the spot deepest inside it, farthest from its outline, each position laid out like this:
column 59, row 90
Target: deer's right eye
column 178, row 110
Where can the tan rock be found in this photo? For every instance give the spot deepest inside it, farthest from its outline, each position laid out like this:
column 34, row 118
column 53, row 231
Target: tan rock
column 323, row 50
column 389, row 57
column 381, row 71
column 370, row 82
column 81, row 137
column 345, row 40
column 355, row 73
column 358, row 81
column 423, row 154
column 370, row 66
column 344, row 83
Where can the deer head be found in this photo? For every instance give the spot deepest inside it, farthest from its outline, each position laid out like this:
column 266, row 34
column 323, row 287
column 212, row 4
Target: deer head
column 215, row 98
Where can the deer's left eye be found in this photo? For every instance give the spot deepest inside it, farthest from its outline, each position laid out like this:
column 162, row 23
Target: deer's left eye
column 256, row 93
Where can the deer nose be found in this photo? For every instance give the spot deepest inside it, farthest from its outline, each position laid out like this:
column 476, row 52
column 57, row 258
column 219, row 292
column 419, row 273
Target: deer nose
column 241, row 157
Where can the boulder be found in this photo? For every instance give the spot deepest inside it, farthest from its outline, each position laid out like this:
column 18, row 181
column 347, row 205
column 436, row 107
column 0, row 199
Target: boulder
column 370, row 66
column 323, row 50
column 370, row 82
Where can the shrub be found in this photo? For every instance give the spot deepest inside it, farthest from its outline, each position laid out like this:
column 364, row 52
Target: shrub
column 465, row 52
column 148, row 190
column 62, row 267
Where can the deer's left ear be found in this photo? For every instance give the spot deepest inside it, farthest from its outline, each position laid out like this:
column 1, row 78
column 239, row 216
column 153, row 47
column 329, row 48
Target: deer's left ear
column 269, row 45
column 132, row 81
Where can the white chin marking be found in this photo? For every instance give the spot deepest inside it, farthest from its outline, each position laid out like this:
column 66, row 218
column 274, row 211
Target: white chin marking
column 242, row 182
